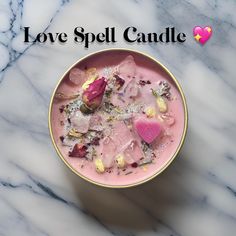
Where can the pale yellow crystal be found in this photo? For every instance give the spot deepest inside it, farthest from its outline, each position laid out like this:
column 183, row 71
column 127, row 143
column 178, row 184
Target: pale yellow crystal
column 150, row 112
column 99, row 166
column 120, row 161
column 162, row 105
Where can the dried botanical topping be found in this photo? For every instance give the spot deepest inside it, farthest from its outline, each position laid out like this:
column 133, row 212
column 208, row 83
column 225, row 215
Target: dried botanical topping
column 95, row 141
column 110, row 118
column 61, row 108
column 108, row 72
column 155, row 93
column 91, row 136
column 72, row 107
column 91, row 153
column 164, row 89
column 93, row 95
column 73, row 133
column 159, row 94
column 145, row 146
column 128, row 173
column 62, row 96
column 108, row 93
column 108, row 107
column 62, row 138
column 79, row 150
column 119, row 82
column 134, row 165
column 153, row 155
column 85, row 109
column 145, row 163
column 144, row 82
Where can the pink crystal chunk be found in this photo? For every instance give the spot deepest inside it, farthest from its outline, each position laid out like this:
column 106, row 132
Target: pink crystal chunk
column 127, row 67
column 80, row 122
column 77, row 76
column 108, row 150
column 133, row 152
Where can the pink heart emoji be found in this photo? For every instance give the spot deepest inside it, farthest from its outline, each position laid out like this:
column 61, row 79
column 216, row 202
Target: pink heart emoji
column 202, row 34
column 148, row 130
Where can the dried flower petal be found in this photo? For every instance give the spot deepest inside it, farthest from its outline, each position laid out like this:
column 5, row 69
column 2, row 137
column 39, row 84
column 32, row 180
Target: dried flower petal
column 144, row 82
column 79, row 150
column 134, row 164
column 61, row 108
column 119, row 82
column 95, row 141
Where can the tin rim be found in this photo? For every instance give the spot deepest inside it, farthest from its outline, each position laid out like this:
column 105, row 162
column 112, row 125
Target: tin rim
column 166, row 164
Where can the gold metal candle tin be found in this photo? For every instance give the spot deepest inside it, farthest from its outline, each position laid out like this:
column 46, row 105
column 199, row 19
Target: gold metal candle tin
column 165, row 70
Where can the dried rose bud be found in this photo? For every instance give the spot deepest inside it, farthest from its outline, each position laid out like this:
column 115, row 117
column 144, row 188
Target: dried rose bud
column 92, row 96
column 85, row 109
column 79, row 150
column 119, row 81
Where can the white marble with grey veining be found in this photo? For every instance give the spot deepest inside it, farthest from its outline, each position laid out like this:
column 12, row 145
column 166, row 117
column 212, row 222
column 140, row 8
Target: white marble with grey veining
column 195, row 196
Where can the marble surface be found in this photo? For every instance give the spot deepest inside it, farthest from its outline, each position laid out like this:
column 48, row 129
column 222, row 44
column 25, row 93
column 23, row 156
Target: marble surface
column 195, row 196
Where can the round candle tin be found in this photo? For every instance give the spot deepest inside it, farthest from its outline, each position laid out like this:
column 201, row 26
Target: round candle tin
column 141, row 57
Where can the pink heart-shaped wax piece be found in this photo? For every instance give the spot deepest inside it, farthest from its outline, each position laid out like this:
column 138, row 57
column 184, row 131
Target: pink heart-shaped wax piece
column 202, row 34
column 148, row 130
